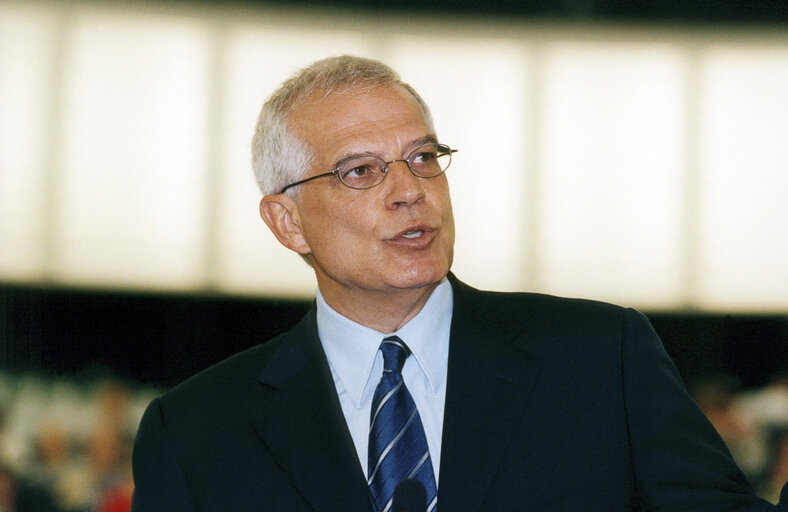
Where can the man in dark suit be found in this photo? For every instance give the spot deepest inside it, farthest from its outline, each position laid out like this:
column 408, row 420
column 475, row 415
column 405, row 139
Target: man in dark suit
column 490, row 401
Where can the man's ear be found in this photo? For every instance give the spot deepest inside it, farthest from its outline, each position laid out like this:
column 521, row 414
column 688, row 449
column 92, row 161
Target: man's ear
column 280, row 213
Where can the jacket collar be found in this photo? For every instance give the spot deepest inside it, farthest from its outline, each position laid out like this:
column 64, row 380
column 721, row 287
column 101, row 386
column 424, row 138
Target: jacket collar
column 490, row 377
column 300, row 421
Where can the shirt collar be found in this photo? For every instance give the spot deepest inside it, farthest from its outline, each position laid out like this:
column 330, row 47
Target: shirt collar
column 351, row 348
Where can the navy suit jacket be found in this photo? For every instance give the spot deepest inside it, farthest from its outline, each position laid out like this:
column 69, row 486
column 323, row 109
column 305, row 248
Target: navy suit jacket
column 551, row 405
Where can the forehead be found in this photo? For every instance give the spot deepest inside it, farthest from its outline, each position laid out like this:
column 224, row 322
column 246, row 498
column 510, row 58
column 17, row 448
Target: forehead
column 362, row 119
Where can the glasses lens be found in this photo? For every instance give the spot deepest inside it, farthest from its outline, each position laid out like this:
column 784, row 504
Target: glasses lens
column 362, row 172
column 430, row 160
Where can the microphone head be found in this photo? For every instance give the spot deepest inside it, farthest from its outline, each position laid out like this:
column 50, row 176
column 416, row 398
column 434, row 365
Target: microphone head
column 409, row 496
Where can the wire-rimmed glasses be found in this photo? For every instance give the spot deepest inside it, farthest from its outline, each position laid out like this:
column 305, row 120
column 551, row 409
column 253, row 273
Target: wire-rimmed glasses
column 367, row 171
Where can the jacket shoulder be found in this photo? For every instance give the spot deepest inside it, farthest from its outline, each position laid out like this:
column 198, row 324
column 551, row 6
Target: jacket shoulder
column 219, row 387
column 228, row 377
column 539, row 312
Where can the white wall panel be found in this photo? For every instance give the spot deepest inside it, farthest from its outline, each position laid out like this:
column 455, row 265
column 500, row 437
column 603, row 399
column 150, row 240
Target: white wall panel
column 610, row 180
column 133, row 169
column 744, row 188
column 25, row 61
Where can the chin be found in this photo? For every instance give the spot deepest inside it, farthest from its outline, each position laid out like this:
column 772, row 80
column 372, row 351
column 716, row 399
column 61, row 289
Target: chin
column 418, row 277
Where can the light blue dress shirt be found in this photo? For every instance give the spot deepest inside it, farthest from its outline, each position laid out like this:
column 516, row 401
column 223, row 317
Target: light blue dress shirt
column 356, row 366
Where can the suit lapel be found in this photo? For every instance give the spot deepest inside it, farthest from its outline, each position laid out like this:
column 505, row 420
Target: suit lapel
column 489, row 382
column 301, row 423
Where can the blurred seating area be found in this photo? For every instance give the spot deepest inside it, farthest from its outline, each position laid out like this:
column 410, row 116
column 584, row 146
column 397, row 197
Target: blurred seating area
column 754, row 425
column 65, row 443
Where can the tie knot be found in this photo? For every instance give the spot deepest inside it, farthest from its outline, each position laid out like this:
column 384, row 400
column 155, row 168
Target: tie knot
column 394, row 353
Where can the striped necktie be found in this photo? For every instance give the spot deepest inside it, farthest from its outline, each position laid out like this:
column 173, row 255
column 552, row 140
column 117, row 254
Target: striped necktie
column 397, row 444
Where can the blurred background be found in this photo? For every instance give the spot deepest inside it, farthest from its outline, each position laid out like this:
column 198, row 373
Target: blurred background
column 633, row 152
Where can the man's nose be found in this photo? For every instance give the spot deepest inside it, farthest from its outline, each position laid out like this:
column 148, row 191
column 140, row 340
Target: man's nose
column 403, row 187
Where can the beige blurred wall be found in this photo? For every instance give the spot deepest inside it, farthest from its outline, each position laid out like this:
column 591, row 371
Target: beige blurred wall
column 639, row 164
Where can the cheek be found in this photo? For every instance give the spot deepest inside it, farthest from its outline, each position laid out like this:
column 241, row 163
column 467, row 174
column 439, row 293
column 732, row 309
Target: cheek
column 446, row 212
column 448, row 229
column 335, row 231
column 449, row 213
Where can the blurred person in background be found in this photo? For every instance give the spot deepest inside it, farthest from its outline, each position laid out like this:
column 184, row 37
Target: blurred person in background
column 45, row 480
column 491, row 401
column 107, row 455
column 719, row 398
column 72, row 446
column 7, row 489
column 777, row 471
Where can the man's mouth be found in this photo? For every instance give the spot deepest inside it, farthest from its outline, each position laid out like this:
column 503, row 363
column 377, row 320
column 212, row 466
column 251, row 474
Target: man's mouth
column 416, row 235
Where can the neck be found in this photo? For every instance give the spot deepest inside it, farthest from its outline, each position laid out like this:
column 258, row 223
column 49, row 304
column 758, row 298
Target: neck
column 385, row 312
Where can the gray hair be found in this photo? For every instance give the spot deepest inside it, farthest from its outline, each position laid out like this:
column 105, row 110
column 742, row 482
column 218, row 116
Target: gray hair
column 279, row 157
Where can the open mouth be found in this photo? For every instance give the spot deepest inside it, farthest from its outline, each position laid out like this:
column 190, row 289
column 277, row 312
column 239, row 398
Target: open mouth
column 413, row 234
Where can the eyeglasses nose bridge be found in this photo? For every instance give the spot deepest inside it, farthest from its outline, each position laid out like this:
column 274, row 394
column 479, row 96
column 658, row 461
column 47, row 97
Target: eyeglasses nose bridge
column 403, row 160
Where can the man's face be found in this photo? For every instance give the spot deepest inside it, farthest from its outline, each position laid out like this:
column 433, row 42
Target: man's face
column 395, row 236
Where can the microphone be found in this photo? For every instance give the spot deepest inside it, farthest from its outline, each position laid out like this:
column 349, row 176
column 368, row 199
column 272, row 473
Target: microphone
column 409, row 496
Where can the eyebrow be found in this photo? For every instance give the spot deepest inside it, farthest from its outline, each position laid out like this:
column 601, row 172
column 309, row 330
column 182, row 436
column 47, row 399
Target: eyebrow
column 427, row 139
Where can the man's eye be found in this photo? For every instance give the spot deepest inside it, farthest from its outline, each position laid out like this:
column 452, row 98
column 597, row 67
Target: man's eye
column 356, row 172
column 423, row 157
